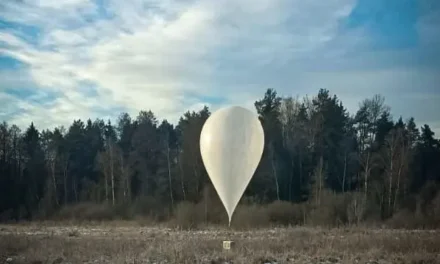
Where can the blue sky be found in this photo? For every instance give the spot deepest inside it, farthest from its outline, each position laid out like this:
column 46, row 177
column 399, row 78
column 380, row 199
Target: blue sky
column 66, row 59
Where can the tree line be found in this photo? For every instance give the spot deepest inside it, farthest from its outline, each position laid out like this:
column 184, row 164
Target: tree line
column 313, row 147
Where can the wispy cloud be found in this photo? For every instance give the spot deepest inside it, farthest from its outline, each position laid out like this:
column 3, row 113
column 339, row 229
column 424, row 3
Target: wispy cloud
column 96, row 58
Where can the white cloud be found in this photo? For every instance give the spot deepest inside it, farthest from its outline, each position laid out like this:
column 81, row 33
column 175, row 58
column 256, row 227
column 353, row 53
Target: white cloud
column 46, row 13
column 166, row 55
column 152, row 54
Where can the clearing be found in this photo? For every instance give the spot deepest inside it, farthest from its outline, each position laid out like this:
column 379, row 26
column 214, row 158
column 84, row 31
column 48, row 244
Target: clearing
column 122, row 242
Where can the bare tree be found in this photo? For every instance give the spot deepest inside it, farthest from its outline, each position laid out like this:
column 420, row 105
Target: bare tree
column 107, row 162
column 366, row 122
column 395, row 157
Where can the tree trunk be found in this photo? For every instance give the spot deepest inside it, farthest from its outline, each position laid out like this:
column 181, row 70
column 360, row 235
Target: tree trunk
column 181, row 177
column 106, row 185
column 274, row 171
column 390, row 213
column 300, row 173
column 345, row 172
column 399, row 172
column 54, row 182
column 196, row 194
column 75, row 192
column 366, row 174
column 382, row 202
column 65, row 183
column 169, row 177
column 112, row 175
column 123, row 177
column 321, row 170
column 291, row 179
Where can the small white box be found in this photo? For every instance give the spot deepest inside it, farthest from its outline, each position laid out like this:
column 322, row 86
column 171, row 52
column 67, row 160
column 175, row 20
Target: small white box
column 228, row 245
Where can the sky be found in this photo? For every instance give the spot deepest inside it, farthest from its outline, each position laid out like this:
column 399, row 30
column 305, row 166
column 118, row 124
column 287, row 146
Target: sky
column 62, row 60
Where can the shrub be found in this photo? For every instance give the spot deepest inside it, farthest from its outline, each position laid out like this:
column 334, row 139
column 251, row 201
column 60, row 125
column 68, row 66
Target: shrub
column 250, row 216
column 426, row 215
column 6, row 215
column 124, row 210
column 187, row 216
column 356, row 208
column 427, row 194
column 86, row 211
column 211, row 208
column 332, row 210
column 432, row 214
column 405, row 219
column 150, row 207
column 285, row 213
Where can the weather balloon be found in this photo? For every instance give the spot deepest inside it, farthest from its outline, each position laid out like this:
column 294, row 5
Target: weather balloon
column 231, row 145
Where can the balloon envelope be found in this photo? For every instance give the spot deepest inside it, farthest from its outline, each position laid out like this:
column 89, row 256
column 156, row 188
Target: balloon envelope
column 231, row 145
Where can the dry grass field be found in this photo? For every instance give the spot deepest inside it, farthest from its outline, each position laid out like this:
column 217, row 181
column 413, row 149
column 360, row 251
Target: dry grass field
column 130, row 243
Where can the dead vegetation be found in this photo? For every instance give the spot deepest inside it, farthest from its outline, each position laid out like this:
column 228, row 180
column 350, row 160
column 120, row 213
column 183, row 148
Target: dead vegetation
column 127, row 242
column 330, row 210
column 334, row 229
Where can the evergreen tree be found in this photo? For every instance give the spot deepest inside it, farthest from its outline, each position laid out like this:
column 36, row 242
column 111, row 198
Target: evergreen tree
column 313, row 148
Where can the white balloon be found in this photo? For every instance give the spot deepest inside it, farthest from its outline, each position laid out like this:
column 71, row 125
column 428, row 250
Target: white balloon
column 231, row 145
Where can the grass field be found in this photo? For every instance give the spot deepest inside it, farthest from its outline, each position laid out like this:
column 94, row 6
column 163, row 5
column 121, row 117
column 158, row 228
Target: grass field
column 117, row 242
